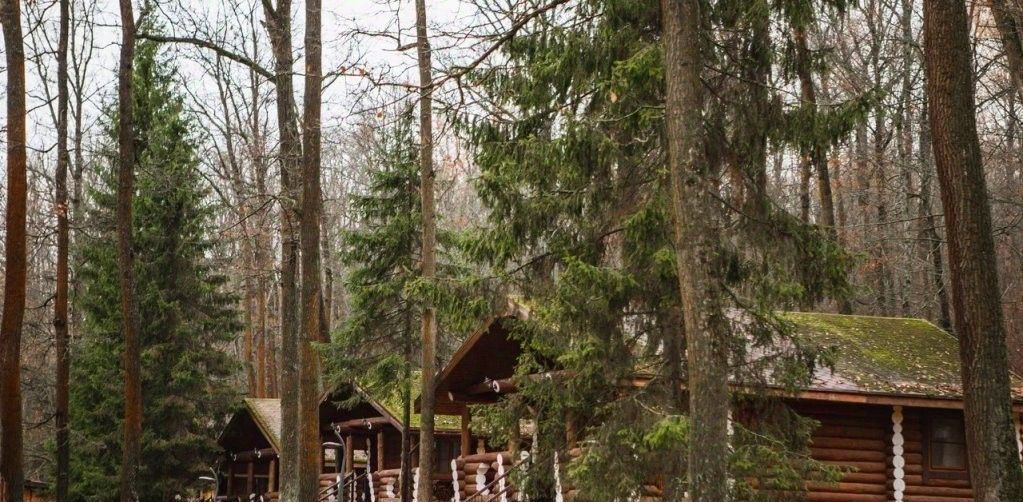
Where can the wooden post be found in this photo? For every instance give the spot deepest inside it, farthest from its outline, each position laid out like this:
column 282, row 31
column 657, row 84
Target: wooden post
column 380, row 450
column 271, row 484
column 250, row 476
column 230, row 477
column 349, row 454
column 466, row 438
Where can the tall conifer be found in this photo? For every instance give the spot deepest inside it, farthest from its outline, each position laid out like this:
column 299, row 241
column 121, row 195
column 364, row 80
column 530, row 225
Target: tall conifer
column 186, row 318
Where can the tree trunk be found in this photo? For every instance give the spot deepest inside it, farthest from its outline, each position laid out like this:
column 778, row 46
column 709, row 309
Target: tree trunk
column 60, row 306
column 929, row 226
column 405, row 479
column 131, row 454
column 429, row 265
column 312, row 298
column 278, row 23
column 815, row 154
column 12, row 475
column 697, row 246
column 976, row 304
column 1008, row 30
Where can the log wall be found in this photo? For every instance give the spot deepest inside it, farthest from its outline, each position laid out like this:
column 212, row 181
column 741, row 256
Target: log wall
column 885, row 460
column 856, row 438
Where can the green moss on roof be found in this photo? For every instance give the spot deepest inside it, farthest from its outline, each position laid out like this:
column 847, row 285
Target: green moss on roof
column 885, row 355
column 391, row 402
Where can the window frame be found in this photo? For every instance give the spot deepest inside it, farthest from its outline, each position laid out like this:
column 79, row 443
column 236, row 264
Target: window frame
column 931, row 472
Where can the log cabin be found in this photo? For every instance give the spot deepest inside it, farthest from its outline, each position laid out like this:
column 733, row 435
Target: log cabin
column 889, row 412
column 251, row 442
column 372, row 429
column 361, row 437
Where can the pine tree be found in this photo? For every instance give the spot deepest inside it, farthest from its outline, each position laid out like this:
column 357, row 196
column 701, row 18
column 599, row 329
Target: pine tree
column 186, row 317
column 378, row 346
column 574, row 175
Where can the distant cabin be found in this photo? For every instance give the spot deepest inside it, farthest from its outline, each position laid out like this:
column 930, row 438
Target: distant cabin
column 890, row 411
column 361, row 437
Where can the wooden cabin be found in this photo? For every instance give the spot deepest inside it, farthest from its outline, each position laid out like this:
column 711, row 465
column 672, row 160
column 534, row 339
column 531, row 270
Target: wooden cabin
column 252, row 443
column 361, row 448
column 889, row 412
column 372, row 429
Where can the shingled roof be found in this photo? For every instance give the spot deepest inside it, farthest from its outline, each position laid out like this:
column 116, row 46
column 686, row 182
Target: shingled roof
column 267, row 415
column 885, row 355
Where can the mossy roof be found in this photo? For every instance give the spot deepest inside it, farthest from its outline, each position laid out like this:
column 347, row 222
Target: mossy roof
column 885, row 355
column 391, row 403
column 267, row 415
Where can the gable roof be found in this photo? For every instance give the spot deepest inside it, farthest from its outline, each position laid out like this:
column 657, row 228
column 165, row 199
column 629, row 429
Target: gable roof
column 267, row 415
column 390, row 406
column 885, row 355
column 490, row 352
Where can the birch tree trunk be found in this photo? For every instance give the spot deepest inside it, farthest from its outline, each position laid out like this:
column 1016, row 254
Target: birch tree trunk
column 976, row 304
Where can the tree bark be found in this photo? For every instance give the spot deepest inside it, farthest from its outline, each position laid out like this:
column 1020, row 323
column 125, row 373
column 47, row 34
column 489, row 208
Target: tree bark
column 697, row 246
column 995, row 470
column 60, row 306
column 278, row 23
column 312, row 297
column 929, row 227
column 131, row 453
column 429, row 265
column 1008, row 30
column 12, row 475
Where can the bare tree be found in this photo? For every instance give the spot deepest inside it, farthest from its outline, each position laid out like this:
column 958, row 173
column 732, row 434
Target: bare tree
column 60, row 306
column 995, row 470
column 278, row 25
column 313, row 327
column 429, row 263
column 12, row 482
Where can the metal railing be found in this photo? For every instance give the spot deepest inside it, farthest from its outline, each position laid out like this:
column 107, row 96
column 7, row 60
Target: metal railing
column 345, row 489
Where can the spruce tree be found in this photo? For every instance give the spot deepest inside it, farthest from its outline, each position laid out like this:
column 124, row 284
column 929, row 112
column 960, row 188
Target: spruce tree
column 376, row 343
column 187, row 319
column 574, row 175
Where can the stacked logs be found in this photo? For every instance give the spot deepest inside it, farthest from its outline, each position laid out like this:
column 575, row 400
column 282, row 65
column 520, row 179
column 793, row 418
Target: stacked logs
column 473, row 476
column 933, row 490
column 385, row 485
column 856, row 439
column 649, row 492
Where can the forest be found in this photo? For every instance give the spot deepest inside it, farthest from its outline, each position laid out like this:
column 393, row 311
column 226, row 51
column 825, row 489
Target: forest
column 493, row 251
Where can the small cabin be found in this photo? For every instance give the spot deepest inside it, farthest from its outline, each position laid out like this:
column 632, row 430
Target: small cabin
column 371, row 430
column 251, row 442
column 889, row 412
column 361, row 453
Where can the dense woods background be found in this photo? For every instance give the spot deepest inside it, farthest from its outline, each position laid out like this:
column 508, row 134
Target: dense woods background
column 546, row 125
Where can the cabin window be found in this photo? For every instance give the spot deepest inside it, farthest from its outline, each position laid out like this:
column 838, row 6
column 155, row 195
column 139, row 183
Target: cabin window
column 945, row 454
